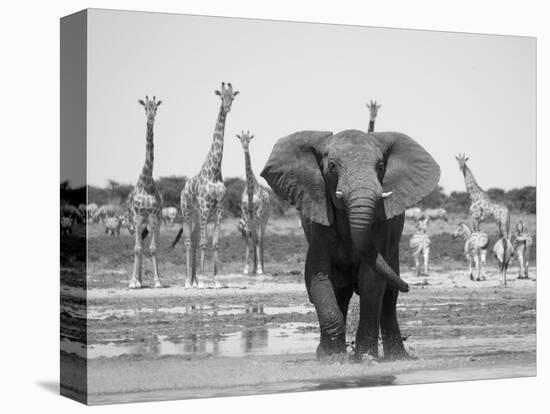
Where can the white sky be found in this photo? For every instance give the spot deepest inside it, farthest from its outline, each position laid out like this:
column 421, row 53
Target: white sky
column 451, row 92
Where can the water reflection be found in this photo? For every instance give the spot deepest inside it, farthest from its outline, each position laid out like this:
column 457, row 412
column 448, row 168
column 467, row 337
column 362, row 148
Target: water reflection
column 96, row 313
column 287, row 338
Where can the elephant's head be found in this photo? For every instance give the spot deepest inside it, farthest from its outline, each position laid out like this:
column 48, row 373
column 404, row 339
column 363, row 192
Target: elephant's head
column 371, row 176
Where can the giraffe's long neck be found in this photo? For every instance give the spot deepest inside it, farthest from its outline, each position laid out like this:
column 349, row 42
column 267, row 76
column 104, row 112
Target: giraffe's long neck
column 251, row 181
column 212, row 167
column 371, row 124
column 147, row 170
column 471, row 185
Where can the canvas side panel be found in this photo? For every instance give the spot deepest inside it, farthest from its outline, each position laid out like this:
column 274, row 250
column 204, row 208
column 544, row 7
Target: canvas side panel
column 73, row 96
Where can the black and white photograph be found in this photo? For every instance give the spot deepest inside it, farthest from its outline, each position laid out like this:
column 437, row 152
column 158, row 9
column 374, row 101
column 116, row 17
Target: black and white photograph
column 261, row 207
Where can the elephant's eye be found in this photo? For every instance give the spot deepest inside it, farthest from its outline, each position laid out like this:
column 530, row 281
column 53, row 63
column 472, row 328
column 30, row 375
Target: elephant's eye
column 331, row 166
column 380, row 168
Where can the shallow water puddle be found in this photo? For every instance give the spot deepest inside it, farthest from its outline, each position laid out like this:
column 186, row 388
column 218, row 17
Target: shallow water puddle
column 206, row 310
column 287, row 338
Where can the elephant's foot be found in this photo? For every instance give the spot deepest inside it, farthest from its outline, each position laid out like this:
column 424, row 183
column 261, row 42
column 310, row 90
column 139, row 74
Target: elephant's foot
column 398, row 355
column 332, row 350
column 365, row 357
column 158, row 285
column 366, row 352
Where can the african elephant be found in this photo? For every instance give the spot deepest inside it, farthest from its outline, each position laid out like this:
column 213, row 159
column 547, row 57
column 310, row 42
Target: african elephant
column 352, row 189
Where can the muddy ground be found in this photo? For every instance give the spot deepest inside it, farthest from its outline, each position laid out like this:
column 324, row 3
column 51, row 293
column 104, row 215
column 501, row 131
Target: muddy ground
column 259, row 334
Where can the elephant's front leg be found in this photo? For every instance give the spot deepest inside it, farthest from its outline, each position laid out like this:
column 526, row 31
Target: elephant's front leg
column 321, row 294
column 371, row 290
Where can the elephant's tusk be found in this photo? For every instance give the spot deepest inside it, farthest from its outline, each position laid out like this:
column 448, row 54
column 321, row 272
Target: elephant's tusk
column 388, row 194
column 339, row 194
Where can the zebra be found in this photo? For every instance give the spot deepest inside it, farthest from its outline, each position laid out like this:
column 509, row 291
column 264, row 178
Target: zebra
column 69, row 216
column 420, row 244
column 475, row 249
column 67, row 225
column 522, row 249
column 82, row 209
column 503, row 251
column 106, row 210
column 91, row 208
column 169, row 214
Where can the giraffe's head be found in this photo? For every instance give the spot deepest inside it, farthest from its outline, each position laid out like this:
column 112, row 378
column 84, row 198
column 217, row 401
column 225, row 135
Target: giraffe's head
column 462, row 158
column 226, row 94
column 245, row 138
column 150, row 106
column 373, row 108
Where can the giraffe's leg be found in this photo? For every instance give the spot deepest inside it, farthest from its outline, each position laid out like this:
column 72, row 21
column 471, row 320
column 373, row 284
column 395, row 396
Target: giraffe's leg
column 216, row 242
column 258, row 254
column 155, row 236
column 247, row 253
column 135, row 282
column 188, row 251
column 475, row 223
column 203, row 222
column 261, row 270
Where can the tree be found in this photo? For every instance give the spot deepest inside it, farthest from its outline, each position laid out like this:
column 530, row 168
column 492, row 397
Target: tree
column 170, row 187
column 435, row 199
column 458, row 202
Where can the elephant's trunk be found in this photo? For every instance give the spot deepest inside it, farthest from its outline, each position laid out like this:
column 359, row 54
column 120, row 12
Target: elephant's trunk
column 361, row 208
column 361, row 205
column 384, row 269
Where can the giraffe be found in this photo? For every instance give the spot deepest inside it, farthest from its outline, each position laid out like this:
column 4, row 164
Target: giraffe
column 482, row 207
column 254, row 211
column 145, row 203
column 373, row 110
column 203, row 197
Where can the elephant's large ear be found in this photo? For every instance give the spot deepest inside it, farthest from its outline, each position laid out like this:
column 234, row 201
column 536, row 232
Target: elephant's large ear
column 293, row 171
column 411, row 173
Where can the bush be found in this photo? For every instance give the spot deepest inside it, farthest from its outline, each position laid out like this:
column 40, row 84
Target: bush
column 519, row 200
